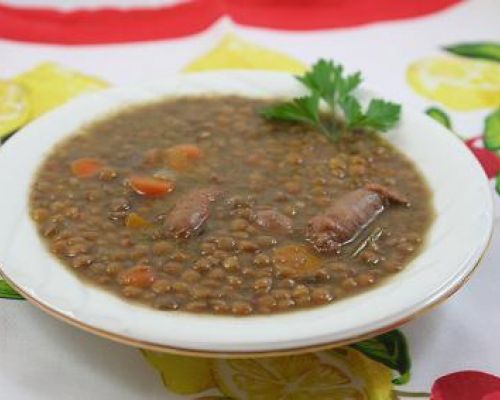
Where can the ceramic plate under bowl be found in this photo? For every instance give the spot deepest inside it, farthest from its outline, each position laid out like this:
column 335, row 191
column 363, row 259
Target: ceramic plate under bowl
column 456, row 240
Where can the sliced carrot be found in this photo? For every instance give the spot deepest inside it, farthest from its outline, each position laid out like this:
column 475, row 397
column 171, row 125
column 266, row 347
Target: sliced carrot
column 86, row 167
column 140, row 276
column 181, row 156
column 148, row 186
column 178, row 162
column 191, row 151
column 135, row 221
column 296, row 257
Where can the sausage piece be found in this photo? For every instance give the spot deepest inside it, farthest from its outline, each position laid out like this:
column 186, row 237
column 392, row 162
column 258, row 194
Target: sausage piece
column 190, row 213
column 273, row 221
column 349, row 215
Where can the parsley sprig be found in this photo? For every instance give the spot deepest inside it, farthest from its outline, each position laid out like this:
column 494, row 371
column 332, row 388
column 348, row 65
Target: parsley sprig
column 329, row 85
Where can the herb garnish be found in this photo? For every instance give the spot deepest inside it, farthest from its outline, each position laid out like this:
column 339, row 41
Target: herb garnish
column 372, row 238
column 328, row 84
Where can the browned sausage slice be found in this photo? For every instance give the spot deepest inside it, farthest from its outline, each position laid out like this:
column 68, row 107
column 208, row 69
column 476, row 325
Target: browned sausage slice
column 348, row 216
column 190, row 213
column 388, row 194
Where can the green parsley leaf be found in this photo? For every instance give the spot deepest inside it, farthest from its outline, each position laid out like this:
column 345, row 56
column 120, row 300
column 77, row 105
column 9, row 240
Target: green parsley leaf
column 352, row 110
column 348, row 84
column 327, row 83
column 322, row 79
column 302, row 109
column 497, row 183
column 382, row 115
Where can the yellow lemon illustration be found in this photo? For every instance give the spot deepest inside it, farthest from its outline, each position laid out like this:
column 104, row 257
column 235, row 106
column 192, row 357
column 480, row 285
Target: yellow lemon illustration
column 458, row 83
column 49, row 85
column 338, row 375
column 376, row 378
column 235, row 53
column 14, row 107
column 181, row 374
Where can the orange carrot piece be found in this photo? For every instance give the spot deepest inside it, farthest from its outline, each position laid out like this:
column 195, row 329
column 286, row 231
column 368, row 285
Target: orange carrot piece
column 191, row 151
column 147, row 186
column 86, row 167
column 296, row 257
column 135, row 221
column 182, row 156
column 141, row 276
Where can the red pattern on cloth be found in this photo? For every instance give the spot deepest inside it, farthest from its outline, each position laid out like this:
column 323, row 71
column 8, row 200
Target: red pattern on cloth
column 109, row 25
column 466, row 385
column 489, row 160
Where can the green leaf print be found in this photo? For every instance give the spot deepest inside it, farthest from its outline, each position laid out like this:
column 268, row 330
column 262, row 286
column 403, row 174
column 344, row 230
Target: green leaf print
column 492, row 131
column 7, row 292
column 440, row 116
column 484, row 50
column 391, row 350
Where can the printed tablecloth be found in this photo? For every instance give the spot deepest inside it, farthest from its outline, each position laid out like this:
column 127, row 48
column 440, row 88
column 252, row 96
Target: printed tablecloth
column 442, row 54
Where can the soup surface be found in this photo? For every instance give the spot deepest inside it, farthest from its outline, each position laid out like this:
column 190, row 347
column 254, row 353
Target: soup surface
column 201, row 205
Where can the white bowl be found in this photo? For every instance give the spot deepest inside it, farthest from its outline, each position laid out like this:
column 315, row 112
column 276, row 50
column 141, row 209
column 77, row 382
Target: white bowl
column 456, row 241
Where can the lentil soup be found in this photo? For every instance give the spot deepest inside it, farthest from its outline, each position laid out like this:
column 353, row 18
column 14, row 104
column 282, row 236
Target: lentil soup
column 199, row 204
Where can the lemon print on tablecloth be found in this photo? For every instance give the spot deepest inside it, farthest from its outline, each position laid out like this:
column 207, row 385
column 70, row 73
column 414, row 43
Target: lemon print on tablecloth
column 459, row 83
column 335, row 375
column 49, row 85
column 377, row 378
column 182, row 375
column 14, row 107
column 235, row 53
